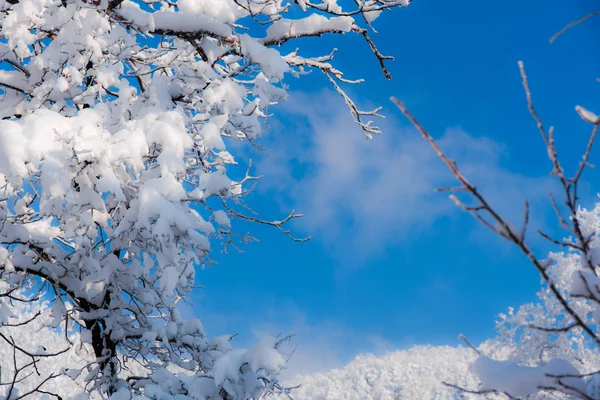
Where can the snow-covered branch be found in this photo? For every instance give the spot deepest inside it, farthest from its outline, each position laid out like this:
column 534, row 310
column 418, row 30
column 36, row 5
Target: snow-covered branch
column 116, row 180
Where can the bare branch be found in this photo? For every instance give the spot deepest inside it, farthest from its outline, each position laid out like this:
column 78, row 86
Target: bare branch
column 503, row 227
column 572, row 24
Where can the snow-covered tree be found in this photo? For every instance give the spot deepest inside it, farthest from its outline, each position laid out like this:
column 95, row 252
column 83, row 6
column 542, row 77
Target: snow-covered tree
column 549, row 349
column 116, row 115
column 417, row 373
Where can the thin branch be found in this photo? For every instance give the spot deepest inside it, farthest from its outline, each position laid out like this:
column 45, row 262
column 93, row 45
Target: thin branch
column 572, row 24
column 504, row 229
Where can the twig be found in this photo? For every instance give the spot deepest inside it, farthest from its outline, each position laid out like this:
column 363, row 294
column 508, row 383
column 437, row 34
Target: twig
column 574, row 23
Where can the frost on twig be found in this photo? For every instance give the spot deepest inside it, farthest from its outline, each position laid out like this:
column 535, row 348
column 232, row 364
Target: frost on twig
column 574, row 288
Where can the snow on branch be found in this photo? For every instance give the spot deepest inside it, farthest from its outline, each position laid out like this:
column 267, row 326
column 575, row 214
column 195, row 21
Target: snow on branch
column 117, row 184
column 564, row 322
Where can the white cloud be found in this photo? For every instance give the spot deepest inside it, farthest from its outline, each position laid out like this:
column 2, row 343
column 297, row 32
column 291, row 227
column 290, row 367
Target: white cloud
column 359, row 197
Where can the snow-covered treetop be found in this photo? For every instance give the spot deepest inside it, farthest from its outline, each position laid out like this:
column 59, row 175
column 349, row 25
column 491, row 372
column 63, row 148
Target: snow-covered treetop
column 113, row 160
column 216, row 59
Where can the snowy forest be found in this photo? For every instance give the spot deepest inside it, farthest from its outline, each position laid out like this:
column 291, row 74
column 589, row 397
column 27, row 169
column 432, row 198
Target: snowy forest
column 135, row 157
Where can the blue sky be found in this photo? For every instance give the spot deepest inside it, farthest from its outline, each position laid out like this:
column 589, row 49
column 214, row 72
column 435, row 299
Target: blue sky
column 391, row 263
